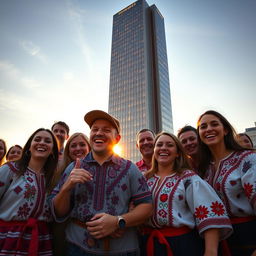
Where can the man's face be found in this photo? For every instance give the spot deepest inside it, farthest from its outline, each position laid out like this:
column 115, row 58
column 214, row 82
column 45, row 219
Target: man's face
column 145, row 144
column 189, row 142
column 103, row 136
column 61, row 133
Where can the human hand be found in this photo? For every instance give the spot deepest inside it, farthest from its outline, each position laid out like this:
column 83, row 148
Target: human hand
column 102, row 225
column 77, row 175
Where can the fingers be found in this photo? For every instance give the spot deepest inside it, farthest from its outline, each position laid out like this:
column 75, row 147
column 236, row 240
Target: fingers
column 78, row 163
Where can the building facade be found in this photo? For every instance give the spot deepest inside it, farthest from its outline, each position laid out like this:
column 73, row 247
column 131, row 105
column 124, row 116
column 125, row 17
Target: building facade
column 139, row 91
column 252, row 133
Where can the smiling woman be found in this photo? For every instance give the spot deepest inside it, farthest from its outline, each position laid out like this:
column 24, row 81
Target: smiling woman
column 231, row 170
column 24, row 212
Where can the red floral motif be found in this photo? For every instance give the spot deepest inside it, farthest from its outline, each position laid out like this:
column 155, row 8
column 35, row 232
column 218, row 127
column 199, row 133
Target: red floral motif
column 30, row 191
column 24, row 210
column 201, row 212
column 1, row 184
column 164, row 197
column 181, row 197
column 248, row 189
column 218, row 208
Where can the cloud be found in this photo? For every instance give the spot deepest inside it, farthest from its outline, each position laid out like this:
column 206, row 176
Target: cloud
column 77, row 17
column 14, row 78
column 33, row 50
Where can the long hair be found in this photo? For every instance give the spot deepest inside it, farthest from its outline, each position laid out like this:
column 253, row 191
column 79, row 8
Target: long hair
column 50, row 165
column 66, row 156
column 5, row 149
column 9, row 150
column 180, row 163
column 230, row 142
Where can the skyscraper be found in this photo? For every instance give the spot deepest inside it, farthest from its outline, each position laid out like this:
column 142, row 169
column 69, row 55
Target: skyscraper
column 139, row 91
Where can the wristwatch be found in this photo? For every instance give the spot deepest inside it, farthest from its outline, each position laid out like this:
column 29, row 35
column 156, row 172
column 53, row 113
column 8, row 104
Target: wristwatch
column 121, row 222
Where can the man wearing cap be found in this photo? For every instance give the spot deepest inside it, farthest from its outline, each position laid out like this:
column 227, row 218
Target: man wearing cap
column 96, row 192
column 145, row 143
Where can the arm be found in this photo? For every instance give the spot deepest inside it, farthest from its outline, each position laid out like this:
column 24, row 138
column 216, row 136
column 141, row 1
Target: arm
column 211, row 240
column 103, row 224
column 61, row 201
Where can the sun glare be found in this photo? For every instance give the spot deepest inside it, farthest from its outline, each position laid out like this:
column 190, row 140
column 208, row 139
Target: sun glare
column 118, row 150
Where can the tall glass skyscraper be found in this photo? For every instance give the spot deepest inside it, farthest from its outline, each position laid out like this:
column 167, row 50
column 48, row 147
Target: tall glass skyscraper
column 139, row 91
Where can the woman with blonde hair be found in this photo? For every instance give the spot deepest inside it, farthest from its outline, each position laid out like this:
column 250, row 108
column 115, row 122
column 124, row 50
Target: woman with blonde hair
column 182, row 202
column 77, row 146
column 3, row 150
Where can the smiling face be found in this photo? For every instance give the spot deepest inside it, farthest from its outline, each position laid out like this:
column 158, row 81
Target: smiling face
column 14, row 153
column 189, row 142
column 165, row 151
column 145, row 143
column 41, row 145
column 78, row 148
column 103, row 137
column 211, row 130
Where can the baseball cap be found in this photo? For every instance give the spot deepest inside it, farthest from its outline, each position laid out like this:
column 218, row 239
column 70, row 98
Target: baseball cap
column 93, row 115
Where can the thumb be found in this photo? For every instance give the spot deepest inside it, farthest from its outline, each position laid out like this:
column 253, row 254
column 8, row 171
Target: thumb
column 77, row 164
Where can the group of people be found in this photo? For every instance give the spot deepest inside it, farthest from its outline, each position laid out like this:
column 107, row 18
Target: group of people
column 190, row 194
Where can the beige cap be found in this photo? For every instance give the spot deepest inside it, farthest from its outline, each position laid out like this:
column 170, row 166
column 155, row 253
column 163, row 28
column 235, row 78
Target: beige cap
column 93, row 115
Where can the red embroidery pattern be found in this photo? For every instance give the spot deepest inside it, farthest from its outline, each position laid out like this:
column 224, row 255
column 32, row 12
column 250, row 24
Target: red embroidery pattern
column 164, row 197
column 248, row 189
column 218, row 208
column 201, row 212
column 24, row 210
column 30, row 191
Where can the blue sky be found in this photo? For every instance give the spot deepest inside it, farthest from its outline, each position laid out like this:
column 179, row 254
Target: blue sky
column 55, row 61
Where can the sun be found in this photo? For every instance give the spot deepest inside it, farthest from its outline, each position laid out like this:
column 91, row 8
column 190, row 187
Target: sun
column 117, row 150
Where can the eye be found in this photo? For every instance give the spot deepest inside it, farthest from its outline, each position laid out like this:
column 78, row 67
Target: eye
column 48, row 140
column 37, row 139
column 202, row 126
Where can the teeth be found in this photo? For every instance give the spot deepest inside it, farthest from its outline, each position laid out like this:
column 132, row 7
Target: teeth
column 210, row 136
column 99, row 141
column 41, row 149
column 163, row 154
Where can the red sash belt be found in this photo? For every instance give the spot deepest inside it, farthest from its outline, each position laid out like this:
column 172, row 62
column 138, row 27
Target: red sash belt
column 160, row 234
column 30, row 223
column 238, row 220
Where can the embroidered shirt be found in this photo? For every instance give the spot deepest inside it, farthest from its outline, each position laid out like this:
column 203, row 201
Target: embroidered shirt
column 235, row 182
column 115, row 184
column 22, row 196
column 187, row 200
column 142, row 166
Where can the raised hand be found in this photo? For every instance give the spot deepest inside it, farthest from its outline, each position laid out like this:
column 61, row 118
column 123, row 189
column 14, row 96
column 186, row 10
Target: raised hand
column 77, row 175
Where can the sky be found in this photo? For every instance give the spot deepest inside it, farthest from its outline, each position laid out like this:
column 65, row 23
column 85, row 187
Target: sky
column 55, row 61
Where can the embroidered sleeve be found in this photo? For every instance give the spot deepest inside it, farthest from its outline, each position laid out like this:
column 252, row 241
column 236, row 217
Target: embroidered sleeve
column 5, row 178
column 139, row 188
column 206, row 206
column 248, row 177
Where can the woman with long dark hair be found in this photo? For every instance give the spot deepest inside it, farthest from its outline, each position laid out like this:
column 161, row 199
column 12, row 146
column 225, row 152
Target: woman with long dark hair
column 185, row 206
column 231, row 170
column 24, row 184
